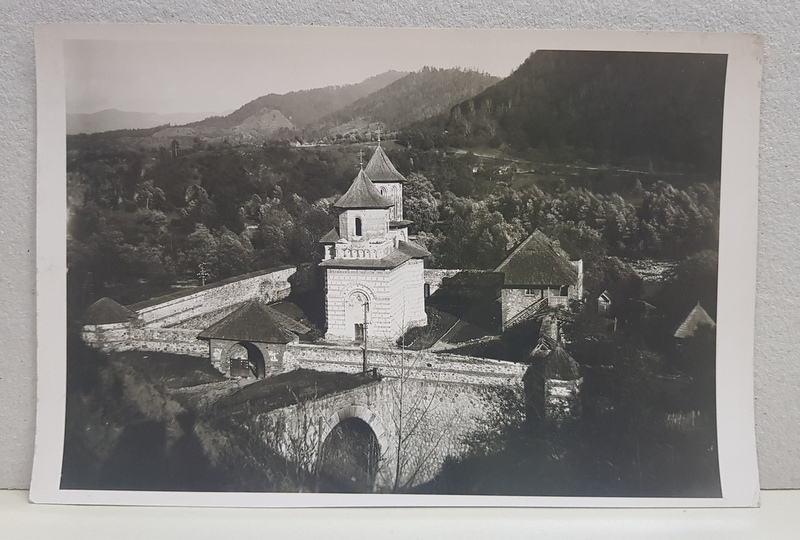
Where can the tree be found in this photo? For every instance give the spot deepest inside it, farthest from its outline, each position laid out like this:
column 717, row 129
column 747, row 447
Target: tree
column 199, row 208
column 475, row 236
column 234, row 254
column 415, row 395
column 199, row 247
column 691, row 281
column 420, row 204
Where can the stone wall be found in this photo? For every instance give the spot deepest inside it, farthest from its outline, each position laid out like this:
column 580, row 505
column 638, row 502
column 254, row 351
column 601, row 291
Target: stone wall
column 419, row 365
column 125, row 337
column 268, row 286
column 435, row 276
column 514, row 301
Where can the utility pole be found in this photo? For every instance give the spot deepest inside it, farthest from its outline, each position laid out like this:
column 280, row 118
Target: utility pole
column 203, row 274
column 364, row 364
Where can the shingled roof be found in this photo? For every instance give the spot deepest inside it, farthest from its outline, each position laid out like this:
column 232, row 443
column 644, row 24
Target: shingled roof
column 331, row 237
column 251, row 322
column 536, row 262
column 107, row 311
column 362, row 194
column 694, row 320
column 560, row 365
column 380, row 168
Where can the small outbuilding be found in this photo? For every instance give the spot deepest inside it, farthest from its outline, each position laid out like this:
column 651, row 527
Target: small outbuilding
column 537, row 274
column 604, row 304
column 552, row 383
column 249, row 342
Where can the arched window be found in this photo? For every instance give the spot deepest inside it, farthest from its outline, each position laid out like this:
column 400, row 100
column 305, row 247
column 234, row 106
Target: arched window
column 358, row 226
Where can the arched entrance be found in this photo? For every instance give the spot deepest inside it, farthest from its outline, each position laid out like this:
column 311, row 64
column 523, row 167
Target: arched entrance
column 246, row 360
column 357, row 314
column 349, row 456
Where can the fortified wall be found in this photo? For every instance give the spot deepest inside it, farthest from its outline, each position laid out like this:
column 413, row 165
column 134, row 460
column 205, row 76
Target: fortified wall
column 435, row 276
column 267, row 285
column 157, row 323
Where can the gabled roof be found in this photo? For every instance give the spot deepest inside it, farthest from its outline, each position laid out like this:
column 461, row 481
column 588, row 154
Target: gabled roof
column 251, row 322
column 285, row 320
column 695, row 319
column 536, row 262
column 413, row 249
column 362, row 194
column 560, row 365
column 380, row 168
column 107, row 311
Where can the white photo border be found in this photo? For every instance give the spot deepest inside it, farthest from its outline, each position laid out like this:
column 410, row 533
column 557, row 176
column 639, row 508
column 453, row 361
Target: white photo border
column 737, row 257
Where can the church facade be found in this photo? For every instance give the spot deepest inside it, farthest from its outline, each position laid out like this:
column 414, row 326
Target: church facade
column 374, row 275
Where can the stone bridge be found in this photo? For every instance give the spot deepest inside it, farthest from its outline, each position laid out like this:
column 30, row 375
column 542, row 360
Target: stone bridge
column 392, row 432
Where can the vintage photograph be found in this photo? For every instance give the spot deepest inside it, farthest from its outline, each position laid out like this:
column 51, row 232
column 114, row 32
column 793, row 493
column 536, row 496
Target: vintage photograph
column 361, row 264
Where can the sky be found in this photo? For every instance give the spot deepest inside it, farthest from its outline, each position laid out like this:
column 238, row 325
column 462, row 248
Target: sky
column 211, row 70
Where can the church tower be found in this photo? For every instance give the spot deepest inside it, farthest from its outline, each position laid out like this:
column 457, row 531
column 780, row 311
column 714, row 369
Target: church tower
column 373, row 274
column 389, row 183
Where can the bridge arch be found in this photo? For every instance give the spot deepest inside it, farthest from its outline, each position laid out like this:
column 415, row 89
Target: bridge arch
column 363, row 426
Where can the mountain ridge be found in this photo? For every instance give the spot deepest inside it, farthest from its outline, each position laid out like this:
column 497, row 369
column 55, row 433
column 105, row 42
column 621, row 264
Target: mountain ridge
column 115, row 119
column 301, row 107
column 416, row 96
column 598, row 106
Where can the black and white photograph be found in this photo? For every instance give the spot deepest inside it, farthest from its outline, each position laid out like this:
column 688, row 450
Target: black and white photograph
column 344, row 262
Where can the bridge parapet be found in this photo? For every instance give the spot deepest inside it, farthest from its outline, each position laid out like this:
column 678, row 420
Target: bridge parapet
column 396, row 363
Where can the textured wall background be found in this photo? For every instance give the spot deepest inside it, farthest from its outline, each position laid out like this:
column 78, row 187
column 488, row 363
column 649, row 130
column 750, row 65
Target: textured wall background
column 777, row 377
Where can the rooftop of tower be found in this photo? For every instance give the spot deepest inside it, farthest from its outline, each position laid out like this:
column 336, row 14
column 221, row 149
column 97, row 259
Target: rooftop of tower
column 381, row 169
column 363, row 194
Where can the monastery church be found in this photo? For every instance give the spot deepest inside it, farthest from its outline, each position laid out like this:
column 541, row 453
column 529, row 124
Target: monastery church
column 374, row 275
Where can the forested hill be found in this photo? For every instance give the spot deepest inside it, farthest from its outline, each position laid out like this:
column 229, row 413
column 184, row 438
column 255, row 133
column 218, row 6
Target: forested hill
column 607, row 106
column 304, row 106
column 416, row 96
